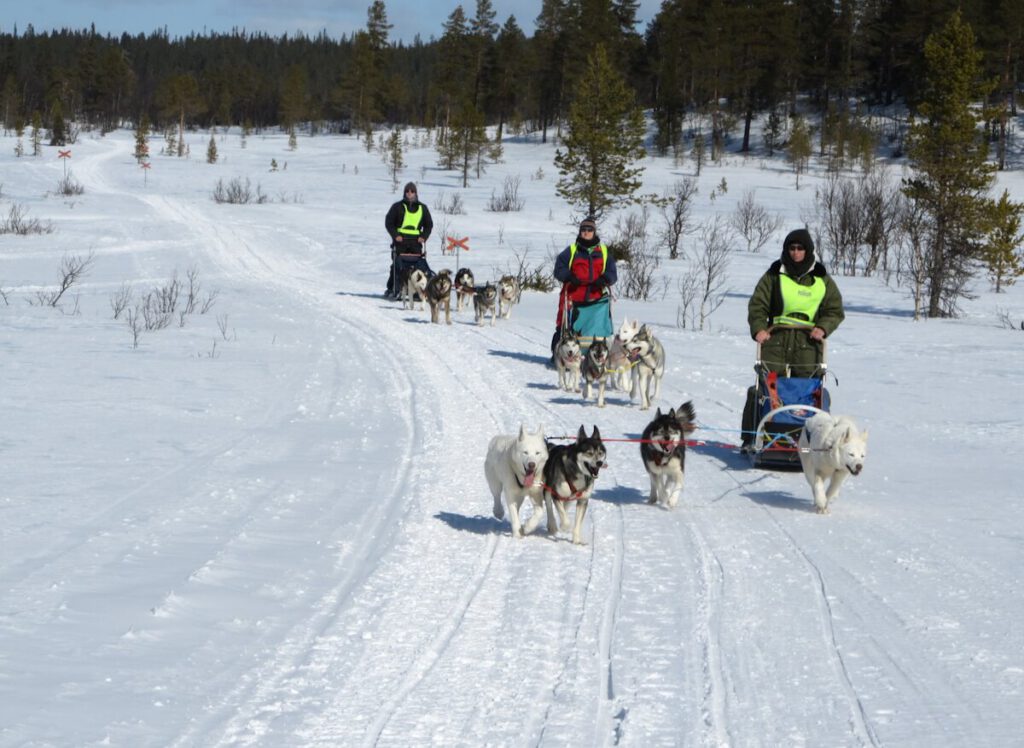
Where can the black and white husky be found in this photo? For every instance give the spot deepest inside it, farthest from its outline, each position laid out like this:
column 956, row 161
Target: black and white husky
column 439, row 296
column 513, row 467
column 663, row 450
column 594, row 370
column 464, row 284
column 570, row 474
column 485, row 301
column 414, row 284
column 568, row 360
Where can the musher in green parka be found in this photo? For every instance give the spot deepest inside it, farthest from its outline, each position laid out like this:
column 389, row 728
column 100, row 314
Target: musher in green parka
column 796, row 290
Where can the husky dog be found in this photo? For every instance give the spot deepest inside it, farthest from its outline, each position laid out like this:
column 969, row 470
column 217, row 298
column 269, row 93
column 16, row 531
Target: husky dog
column 831, row 447
column 439, row 295
column 485, row 300
column 508, row 294
column 414, row 283
column 463, row 288
column 514, row 466
column 594, row 370
column 647, row 353
column 569, row 475
column 663, row 450
column 568, row 361
column 618, row 355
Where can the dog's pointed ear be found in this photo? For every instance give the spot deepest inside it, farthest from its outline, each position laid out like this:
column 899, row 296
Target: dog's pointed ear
column 540, row 430
column 671, row 413
column 522, row 432
column 864, row 435
column 657, row 413
column 581, row 435
column 596, row 434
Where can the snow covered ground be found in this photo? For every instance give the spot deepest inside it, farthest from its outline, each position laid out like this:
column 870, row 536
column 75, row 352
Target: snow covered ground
column 270, row 526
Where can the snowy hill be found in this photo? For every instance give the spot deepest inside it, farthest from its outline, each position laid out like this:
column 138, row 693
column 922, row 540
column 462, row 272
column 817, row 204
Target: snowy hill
column 268, row 524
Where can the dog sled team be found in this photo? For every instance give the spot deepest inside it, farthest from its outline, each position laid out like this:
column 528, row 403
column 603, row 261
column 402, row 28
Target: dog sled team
column 786, row 421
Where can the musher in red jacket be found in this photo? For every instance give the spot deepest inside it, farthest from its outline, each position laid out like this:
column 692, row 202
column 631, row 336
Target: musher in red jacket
column 586, row 269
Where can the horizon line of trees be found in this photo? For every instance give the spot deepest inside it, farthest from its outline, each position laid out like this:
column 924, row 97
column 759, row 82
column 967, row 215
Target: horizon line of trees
column 702, row 67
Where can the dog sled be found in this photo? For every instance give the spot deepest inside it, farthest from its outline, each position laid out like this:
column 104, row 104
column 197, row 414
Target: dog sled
column 404, row 262
column 777, row 407
column 590, row 320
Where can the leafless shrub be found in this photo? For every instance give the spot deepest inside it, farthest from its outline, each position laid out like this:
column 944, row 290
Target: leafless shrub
column 209, row 301
column 509, row 200
column 1006, row 321
column 3, row 297
column 639, row 258
column 134, row 319
column 72, row 269
column 912, row 252
column 689, row 287
column 120, row 300
column 238, row 192
column 192, row 290
column 841, row 215
column 70, row 186
column 532, row 278
column 710, row 266
column 17, row 223
column 222, row 325
column 451, row 205
column 676, row 214
column 754, row 223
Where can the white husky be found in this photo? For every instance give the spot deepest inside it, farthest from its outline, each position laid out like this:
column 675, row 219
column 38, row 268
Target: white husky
column 831, row 447
column 514, row 467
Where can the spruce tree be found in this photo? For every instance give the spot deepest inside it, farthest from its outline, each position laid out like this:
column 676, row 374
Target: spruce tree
column 799, row 150
column 37, row 133
column 394, row 158
column 58, row 131
column 142, row 138
column 948, row 154
column 603, row 143
column 1002, row 255
column 211, row 150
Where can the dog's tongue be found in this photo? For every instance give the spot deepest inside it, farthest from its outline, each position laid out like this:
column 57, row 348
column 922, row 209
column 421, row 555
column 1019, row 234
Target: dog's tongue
column 528, row 479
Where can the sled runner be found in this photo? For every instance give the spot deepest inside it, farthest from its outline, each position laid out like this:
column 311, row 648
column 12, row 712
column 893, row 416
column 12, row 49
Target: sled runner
column 776, row 409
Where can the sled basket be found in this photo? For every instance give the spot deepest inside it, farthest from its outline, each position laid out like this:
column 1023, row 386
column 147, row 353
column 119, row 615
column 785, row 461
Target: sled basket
column 783, row 405
column 592, row 320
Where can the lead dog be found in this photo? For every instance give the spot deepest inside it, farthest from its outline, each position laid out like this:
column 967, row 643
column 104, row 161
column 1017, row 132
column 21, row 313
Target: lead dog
column 568, row 361
column 485, row 300
column 663, row 450
column 463, row 288
column 508, row 294
column 832, row 449
column 594, row 370
column 439, row 295
column 513, row 467
column 414, row 283
column 570, row 474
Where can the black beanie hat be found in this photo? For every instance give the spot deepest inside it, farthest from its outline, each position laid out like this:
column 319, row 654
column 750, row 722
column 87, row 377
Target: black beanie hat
column 588, row 223
column 410, row 186
column 799, row 236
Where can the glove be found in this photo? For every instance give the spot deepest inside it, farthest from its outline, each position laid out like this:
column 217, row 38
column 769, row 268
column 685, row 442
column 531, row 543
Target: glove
column 574, row 284
column 599, row 283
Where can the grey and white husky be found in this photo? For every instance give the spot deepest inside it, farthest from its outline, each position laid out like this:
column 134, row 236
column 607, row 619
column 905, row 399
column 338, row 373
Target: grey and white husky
column 414, row 283
column 439, row 296
column 514, row 467
column 663, row 450
column 508, row 294
column 594, row 370
column 568, row 360
column 570, row 474
column 464, row 288
column 648, row 356
column 485, row 301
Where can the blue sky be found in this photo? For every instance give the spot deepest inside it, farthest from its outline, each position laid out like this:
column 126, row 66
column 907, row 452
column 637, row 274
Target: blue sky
column 338, row 17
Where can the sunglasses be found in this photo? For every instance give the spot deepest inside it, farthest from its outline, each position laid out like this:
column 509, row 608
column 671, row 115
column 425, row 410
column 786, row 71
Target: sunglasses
column 410, row 192
column 587, row 230
column 796, row 248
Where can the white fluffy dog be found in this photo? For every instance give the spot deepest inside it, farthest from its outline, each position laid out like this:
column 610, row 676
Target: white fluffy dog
column 514, row 466
column 831, row 448
column 414, row 285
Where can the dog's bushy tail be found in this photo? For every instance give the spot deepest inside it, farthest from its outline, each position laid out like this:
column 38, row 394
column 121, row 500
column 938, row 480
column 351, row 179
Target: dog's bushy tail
column 687, row 417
